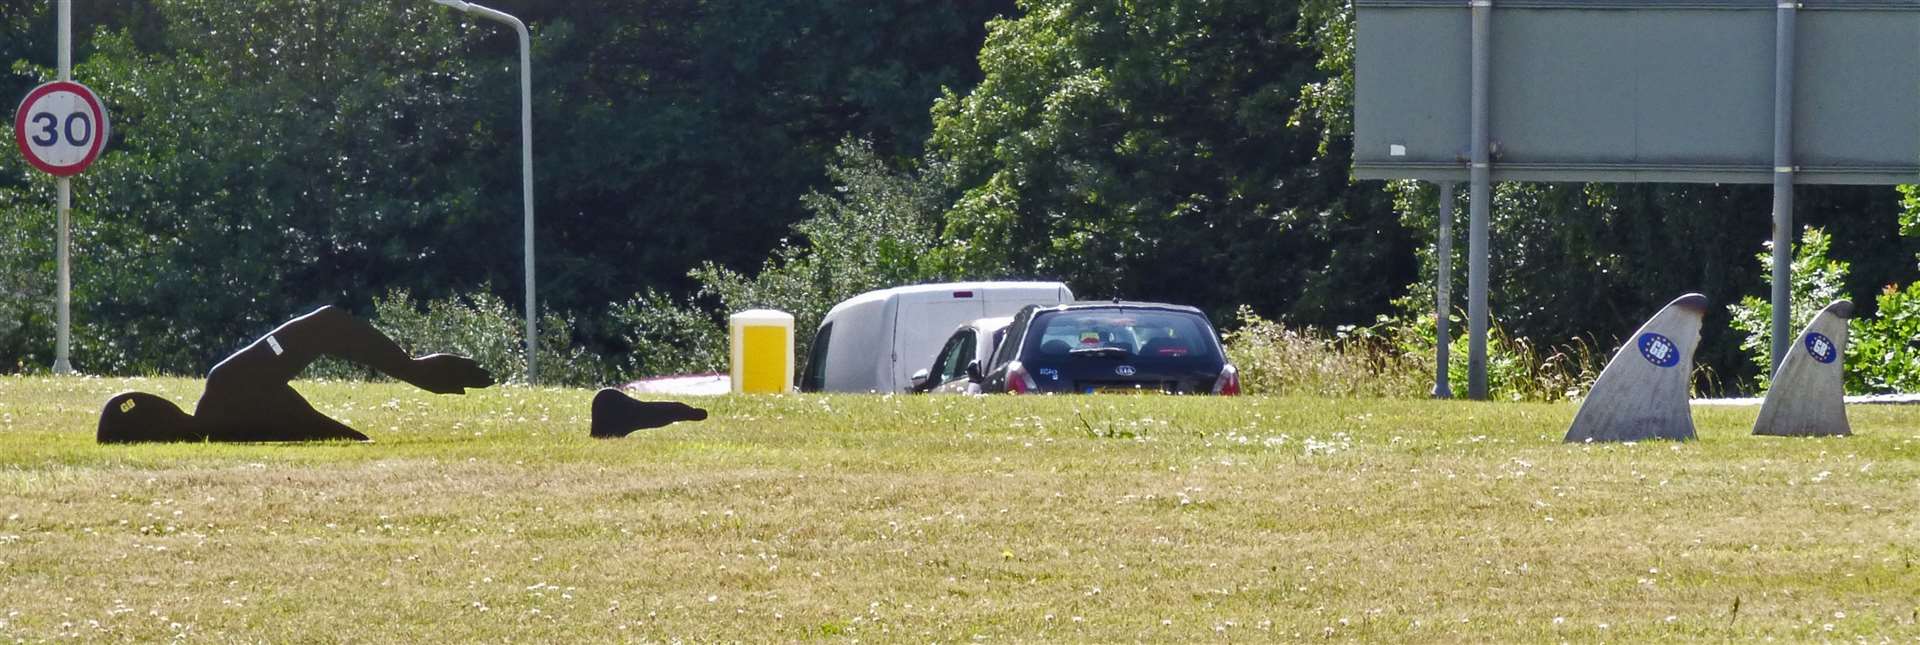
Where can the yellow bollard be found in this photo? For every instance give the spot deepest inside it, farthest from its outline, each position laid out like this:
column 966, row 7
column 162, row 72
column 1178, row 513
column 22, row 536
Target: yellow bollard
column 760, row 343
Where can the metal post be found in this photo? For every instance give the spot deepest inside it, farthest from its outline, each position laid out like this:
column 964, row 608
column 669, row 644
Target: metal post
column 1443, row 292
column 1783, row 234
column 1480, row 176
column 526, row 159
column 63, row 186
column 526, row 186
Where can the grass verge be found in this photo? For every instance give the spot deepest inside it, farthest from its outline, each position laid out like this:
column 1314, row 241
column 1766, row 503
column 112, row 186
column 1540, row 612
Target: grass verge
column 493, row 516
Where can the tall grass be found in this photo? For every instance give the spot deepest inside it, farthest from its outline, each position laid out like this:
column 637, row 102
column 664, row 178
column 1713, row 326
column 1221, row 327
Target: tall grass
column 1395, row 358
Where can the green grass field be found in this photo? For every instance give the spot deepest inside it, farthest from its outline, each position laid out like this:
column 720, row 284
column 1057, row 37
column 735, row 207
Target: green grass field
column 494, row 517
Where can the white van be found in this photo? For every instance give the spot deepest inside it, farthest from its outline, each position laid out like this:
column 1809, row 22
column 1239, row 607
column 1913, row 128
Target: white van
column 873, row 342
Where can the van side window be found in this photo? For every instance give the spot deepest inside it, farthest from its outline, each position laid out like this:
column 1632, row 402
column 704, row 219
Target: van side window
column 814, row 379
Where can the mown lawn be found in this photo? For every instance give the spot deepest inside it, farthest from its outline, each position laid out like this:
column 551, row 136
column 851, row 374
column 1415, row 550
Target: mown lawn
column 494, row 517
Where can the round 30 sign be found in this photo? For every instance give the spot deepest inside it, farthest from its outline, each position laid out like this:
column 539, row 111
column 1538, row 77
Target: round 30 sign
column 61, row 128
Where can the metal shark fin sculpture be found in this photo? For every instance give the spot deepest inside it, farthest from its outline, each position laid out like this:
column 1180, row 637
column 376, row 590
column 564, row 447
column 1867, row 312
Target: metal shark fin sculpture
column 1643, row 392
column 1807, row 398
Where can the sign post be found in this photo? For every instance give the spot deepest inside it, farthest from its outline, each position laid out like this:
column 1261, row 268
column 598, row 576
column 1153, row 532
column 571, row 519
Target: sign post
column 61, row 127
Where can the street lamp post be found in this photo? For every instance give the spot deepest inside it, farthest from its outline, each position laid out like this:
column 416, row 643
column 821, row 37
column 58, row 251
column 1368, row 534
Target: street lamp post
column 526, row 155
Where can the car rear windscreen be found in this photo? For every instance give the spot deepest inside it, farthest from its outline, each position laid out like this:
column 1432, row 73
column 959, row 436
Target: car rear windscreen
column 1130, row 334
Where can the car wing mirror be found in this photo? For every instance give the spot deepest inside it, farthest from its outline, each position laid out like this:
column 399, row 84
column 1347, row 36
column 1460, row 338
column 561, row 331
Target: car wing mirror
column 919, row 378
column 973, row 372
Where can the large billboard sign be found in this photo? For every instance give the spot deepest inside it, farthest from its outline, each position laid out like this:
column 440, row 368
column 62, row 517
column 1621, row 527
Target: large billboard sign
column 1639, row 91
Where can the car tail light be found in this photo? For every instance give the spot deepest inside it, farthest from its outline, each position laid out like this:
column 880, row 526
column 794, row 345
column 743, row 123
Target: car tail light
column 1017, row 379
column 1228, row 383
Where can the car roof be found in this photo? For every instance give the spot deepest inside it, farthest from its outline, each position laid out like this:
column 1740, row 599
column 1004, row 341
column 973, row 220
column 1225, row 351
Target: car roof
column 1120, row 304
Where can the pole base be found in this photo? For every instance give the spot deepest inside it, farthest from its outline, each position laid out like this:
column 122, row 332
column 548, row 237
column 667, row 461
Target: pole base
column 62, row 367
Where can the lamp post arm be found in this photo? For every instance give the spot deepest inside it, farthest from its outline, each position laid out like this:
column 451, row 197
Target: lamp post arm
column 526, row 157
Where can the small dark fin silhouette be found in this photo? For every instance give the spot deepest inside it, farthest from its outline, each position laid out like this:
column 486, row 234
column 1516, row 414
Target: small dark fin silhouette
column 1643, row 392
column 617, row 415
column 1808, row 397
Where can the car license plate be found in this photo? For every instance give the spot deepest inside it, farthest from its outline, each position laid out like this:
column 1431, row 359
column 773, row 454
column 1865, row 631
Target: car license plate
column 1123, row 389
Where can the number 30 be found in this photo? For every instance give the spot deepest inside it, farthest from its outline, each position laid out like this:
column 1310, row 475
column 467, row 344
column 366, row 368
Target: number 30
column 50, row 130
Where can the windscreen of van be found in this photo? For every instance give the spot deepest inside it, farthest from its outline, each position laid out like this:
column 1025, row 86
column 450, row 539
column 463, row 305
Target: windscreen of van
column 1145, row 336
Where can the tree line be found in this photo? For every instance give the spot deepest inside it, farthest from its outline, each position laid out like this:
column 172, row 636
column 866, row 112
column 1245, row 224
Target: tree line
column 696, row 157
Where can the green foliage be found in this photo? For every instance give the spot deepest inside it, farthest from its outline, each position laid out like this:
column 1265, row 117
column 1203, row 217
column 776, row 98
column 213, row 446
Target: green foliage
column 1883, row 351
column 1394, row 357
column 483, row 327
column 1160, row 151
column 1518, row 368
column 873, row 231
column 270, row 158
column 1910, row 210
column 668, row 337
column 1327, row 28
column 1818, row 280
column 1274, row 358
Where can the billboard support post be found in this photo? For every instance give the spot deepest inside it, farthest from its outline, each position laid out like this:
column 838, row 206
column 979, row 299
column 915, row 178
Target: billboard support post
column 1443, row 292
column 1479, row 199
column 1783, row 235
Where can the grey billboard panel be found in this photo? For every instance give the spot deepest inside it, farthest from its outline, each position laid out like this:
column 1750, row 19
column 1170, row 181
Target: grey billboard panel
column 1639, row 90
column 1421, row 103
column 1857, row 88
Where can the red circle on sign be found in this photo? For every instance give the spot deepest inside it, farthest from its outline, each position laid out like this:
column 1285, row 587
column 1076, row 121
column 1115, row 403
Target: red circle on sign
column 97, row 130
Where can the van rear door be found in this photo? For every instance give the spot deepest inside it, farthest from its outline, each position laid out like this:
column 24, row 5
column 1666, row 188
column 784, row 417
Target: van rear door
column 922, row 323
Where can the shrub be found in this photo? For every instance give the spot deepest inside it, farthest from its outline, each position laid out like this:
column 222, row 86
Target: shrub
column 1817, row 282
column 1883, row 350
column 479, row 326
column 1517, row 370
column 873, row 230
column 667, row 337
column 1883, row 354
column 1274, row 358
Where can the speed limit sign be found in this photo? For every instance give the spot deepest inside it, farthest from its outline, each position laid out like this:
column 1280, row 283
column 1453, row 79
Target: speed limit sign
column 61, row 128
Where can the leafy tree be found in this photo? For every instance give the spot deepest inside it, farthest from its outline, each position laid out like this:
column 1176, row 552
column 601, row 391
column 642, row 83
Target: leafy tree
column 272, row 157
column 286, row 163
column 1159, row 151
column 873, row 231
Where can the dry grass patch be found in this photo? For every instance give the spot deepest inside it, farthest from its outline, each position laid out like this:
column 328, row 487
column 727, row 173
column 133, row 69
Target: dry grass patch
column 494, row 516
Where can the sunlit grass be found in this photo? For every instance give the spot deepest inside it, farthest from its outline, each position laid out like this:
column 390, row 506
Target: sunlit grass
column 493, row 516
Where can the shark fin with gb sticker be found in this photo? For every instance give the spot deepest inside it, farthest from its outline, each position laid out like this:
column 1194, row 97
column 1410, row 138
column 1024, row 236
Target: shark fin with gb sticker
column 1807, row 398
column 1643, row 392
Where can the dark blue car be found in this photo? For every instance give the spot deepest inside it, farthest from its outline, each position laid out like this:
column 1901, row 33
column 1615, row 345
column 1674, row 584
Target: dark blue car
column 1119, row 347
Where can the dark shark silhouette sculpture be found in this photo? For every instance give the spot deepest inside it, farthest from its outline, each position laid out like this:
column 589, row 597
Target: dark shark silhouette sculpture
column 248, row 398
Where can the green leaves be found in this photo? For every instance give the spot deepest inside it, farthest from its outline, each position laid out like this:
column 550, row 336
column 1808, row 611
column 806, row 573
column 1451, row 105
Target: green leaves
column 1145, row 150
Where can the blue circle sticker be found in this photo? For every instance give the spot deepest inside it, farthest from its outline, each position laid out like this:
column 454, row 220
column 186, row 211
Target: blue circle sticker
column 1659, row 350
column 1821, row 348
